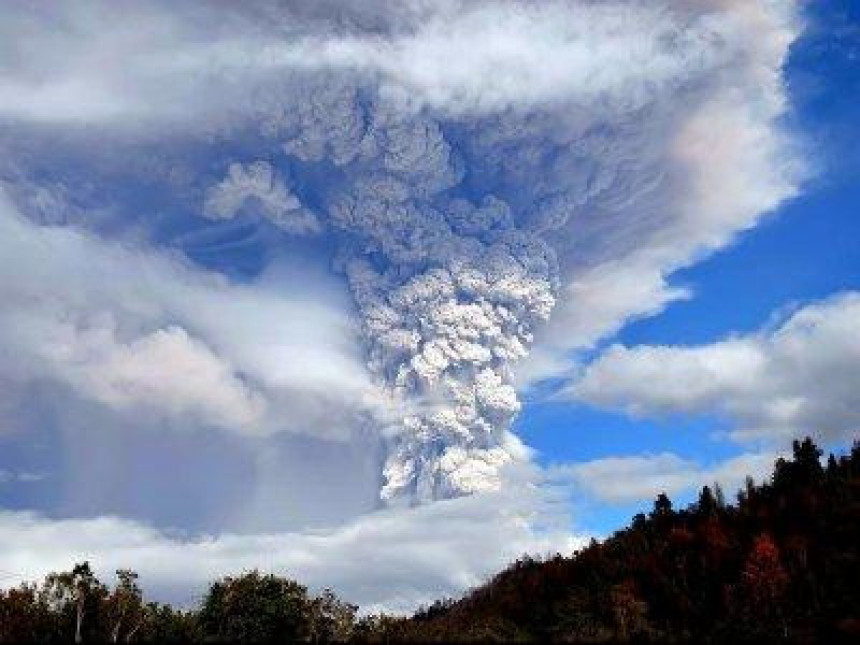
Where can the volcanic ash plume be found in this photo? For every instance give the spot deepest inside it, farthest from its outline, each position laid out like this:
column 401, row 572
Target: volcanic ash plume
column 441, row 225
column 443, row 189
column 459, row 159
column 449, row 292
column 449, row 288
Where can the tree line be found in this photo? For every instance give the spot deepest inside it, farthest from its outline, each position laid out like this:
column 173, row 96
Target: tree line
column 780, row 564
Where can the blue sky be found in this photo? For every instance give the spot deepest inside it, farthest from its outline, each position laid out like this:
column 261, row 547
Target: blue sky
column 804, row 251
column 286, row 289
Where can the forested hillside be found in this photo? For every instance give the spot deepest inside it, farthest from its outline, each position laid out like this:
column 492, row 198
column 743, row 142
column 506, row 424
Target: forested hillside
column 782, row 563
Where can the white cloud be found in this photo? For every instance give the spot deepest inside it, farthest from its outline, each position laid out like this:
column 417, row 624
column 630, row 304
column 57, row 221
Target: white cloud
column 617, row 480
column 394, row 560
column 730, row 176
column 138, row 330
column 723, row 163
column 798, row 378
column 99, row 62
column 165, row 370
column 526, row 54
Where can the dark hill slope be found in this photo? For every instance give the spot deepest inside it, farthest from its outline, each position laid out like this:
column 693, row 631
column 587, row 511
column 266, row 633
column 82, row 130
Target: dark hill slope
column 783, row 563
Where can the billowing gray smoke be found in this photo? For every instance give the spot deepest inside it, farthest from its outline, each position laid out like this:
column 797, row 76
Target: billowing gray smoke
column 448, row 285
column 468, row 164
column 445, row 318
column 443, row 224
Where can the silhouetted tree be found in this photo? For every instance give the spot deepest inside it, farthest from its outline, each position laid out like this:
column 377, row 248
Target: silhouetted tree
column 719, row 496
column 662, row 506
column 707, row 504
column 332, row 620
column 125, row 607
column 764, row 583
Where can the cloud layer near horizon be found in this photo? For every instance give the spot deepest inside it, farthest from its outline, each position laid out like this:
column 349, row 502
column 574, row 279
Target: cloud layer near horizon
column 392, row 560
column 640, row 478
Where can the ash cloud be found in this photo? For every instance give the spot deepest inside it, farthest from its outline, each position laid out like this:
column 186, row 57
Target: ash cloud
column 449, row 287
column 260, row 185
column 470, row 165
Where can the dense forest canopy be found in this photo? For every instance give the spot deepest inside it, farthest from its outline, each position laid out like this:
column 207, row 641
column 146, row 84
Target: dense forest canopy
column 782, row 564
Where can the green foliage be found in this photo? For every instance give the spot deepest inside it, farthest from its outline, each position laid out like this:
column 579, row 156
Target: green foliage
column 74, row 605
column 332, row 620
column 254, row 608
